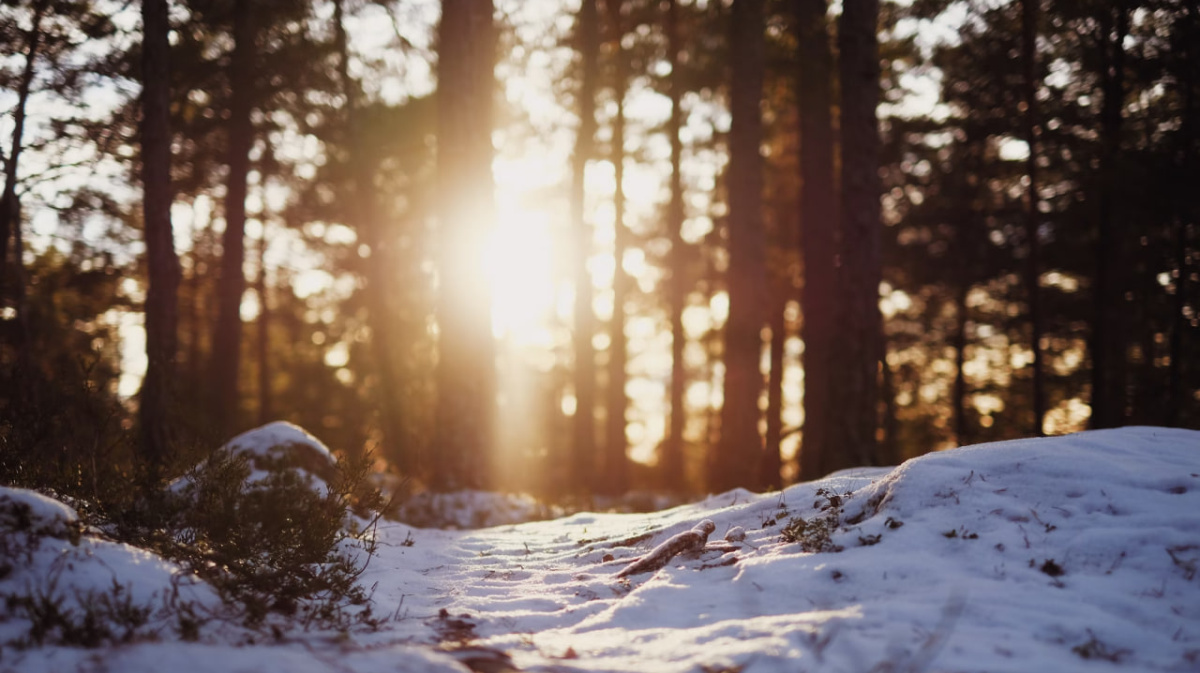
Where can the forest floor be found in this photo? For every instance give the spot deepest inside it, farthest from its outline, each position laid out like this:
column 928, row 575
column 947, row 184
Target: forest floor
column 1078, row 553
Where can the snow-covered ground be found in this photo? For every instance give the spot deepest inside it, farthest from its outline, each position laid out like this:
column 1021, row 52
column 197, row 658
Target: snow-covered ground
column 1077, row 553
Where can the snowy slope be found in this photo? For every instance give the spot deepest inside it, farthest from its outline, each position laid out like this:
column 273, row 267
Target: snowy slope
column 1078, row 553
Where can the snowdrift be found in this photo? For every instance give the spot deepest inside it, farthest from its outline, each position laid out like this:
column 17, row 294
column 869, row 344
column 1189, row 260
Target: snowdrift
column 1076, row 553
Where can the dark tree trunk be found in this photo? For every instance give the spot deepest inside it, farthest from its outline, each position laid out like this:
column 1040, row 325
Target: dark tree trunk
column 198, row 309
column 890, row 455
column 466, row 369
column 671, row 460
column 959, row 396
column 162, row 298
column 1107, row 343
column 264, row 333
column 818, row 229
column 860, row 333
column 1185, row 210
column 583, row 450
column 740, row 449
column 616, row 461
column 9, row 207
column 227, row 338
column 770, row 477
column 1033, row 271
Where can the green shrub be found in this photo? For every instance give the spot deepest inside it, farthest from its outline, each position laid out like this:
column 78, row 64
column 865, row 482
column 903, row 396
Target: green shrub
column 275, row 544
column 816, row 534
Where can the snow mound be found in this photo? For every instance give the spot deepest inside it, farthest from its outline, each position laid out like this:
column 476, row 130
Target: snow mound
column 61, row 584
column 1075, row 553
column 283, row 444
column 22, row 510
column 271, row 448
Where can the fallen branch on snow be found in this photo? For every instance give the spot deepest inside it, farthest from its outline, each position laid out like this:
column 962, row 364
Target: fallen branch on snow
column 687, row 541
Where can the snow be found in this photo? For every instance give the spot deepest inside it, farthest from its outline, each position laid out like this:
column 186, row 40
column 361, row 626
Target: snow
column 1078, row 553
column 473, row 509
column 275, row 445
column 22, row 509
column 47, row 557
column 273, row 439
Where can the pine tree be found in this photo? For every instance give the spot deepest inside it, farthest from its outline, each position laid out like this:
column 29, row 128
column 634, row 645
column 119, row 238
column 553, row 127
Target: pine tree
column 227, row 336
column 818, row 234
column 739, row 452
column 10, row 208
column 466, row 361
column 616, row 461
column 163, row 282
column 583, row 452
column 855, row 390
column 671, row 459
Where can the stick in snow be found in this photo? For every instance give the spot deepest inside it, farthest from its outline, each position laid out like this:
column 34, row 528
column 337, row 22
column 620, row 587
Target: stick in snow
column 692, row 540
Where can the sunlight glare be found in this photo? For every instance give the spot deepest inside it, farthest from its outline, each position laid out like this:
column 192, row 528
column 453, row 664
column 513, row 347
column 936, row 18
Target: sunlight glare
column 519, row 269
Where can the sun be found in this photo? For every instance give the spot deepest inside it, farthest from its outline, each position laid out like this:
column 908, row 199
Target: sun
column 519, row 258
column 519, row 269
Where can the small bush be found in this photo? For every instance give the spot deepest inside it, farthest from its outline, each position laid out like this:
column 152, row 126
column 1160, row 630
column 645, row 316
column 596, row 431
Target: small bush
column 280, row 544
column 92, row 619
column 282, row 550
column 816, row 534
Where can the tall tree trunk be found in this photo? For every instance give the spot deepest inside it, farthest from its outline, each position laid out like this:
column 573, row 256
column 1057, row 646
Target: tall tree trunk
column 263, row 324
column 616, row 461
column 162, row 298
column 959, row 397
column 860, row 331
column 671, row 461
column 890, row 455
column 364, row 201
column 1184, row 209
column 9, row 208
column 227, row 338
column 466, row 368
column 1033, row 270
column 26, row 370
column 818, row 230
column 740, row 449
column 199, row 310
column 190, row 320
column 583, row 450
column 770, row 477
column 1107, row 344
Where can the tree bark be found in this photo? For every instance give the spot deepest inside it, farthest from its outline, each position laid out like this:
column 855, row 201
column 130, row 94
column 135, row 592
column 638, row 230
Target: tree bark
column 227, row 338
column 1107, row 344
column 818, row 233
column 890, row 453
column 770, row 477
column 616, row 461
column 1184, row 211
column 263, row 325
column 1033, row 271
column 9, row 207
column 860, row 332
column 671, row 460
column 466, row 368
column 583, row 453
column 740, row 450
column 161, row 310
column 198, row 309
column 959, row 397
